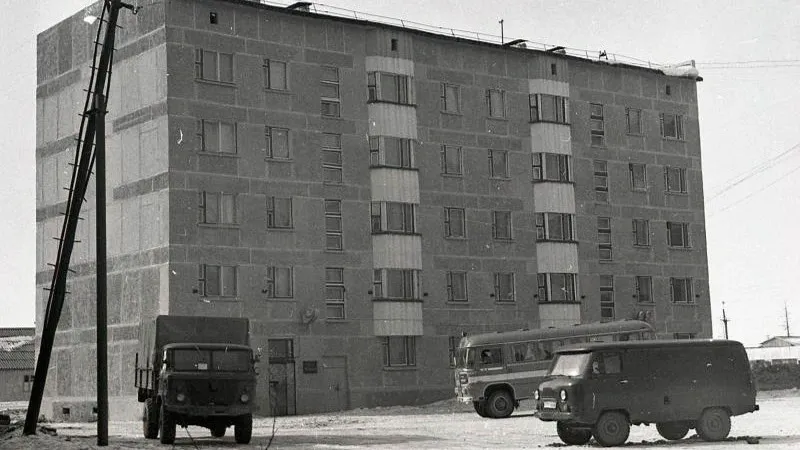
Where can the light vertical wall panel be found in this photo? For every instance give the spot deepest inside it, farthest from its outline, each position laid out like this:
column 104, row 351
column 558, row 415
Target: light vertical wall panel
column 397, row 251
column 554, row 197
column 549, row 137
column 386, row 119
column 390, row 65
column 557, row 257
column 552, row 87
column 397, row 318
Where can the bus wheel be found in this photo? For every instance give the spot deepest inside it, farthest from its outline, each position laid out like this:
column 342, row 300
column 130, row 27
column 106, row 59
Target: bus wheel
column 480, row 408
column 500, row 405
column 573, row 436
column 611, row 429
column 672, row 431
column 714, row 424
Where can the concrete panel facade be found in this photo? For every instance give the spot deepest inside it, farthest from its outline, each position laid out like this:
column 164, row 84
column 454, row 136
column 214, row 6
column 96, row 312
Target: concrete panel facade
column 162, row 163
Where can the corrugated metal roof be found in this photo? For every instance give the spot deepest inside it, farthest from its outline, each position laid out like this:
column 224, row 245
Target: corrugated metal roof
column 21, row 357
column 17, row 331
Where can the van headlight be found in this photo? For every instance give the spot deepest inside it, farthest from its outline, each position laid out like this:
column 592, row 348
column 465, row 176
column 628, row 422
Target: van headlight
column 181, row 397
column 536, row 394
column 244, row 398
column 563, row 395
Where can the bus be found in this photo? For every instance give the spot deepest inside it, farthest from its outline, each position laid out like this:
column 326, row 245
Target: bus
column 495, row 371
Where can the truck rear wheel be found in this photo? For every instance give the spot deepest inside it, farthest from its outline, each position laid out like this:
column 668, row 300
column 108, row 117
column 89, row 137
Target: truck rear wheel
column 243, row 429
column 150, row 419
column 166, row 426
column 611, row 429
column 714, row 424
column 500, row 405
column 573, row 436
column 672, row 431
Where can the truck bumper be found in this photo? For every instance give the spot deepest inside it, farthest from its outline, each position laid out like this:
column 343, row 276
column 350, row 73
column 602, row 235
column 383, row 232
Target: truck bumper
column 210, row 411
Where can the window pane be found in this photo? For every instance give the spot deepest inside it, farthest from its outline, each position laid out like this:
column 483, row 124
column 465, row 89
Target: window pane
column 227, row 137
column 502, row 222
column 459, row 285
column 554, row 224
column 334, row 275
column 209, row 65
column 228, row 209
column 397, row 351
column 333, row 207
column 451, row 98
column 280, row 142
column 277, row 75
column 226, row 67
column 395, row 283
column 283, row 212
column 548, row 108
column 670, row 127
column 283, row 282
column 212, row 280
column 333, row 224
column 211, row 131
column 228, row 281
column 389, row 87
column 499, row 163
column 335, row 293
column 330, row 140
column 453, row 160
column 496, row 104
column 330, row 90
column 330, row 74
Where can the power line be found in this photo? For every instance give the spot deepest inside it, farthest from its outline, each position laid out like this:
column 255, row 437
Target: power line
column 759, row 190
column 761, row 167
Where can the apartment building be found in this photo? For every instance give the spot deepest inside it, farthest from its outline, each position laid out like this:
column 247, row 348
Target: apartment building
column 366, row 194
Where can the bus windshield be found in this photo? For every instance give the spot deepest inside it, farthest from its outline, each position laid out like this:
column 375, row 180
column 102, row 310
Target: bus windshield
column 465, row 358
column 570, row 364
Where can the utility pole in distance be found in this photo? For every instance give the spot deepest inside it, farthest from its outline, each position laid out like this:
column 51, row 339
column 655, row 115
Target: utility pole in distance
column 725, row 320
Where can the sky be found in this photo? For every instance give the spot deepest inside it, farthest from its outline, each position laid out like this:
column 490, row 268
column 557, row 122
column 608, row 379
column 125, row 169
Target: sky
column 747, row 51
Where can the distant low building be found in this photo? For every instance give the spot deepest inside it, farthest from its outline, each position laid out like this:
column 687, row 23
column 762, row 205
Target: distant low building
column 776, row 350
column 16, row 363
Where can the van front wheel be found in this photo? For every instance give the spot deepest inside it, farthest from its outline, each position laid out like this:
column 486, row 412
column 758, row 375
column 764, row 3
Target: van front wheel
column 611, row 429
column 714, row 424
column 500, row 405
column 672, row 431
column 573, row 436
column 480, row 408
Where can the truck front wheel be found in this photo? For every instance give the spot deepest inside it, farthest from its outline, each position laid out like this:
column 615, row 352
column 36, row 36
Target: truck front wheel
column 166, row 426
column 218, row 431
column 243, row 429
column 573, row 436
column 150, row 419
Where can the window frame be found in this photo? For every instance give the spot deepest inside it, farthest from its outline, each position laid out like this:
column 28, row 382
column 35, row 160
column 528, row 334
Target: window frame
column 460, row 154
column 329, row 167
column 377, row 88
column 335, row 102
column 270, row 138
column 451, row 291
column 684, row 232
column 683, row 186
column 408, row 211
column 268, row 82
column 687, row 290
column 445, row 105
column 641, row 228
column 496, row 229
column 597, row 136
column 602, row 246
column 501, row 114
column 200, row 56
column 338, row 303
column 630, row 129
column 543, row 225
column 638, row 289
column 409, row 351
column 202, row 127
column 607, row 290
column 544, row 283
column 493, row 156
column 601, row 190
column 380, row 147
column 272, row 209
column 511, row 289
column 541, row 167
column 206, row 197
column 448, row 223
column 410, row 279
column 679, row 129
column 334, row 214
column 222, row 281
column 633, row 172
column 270, row 281
column 560, row 108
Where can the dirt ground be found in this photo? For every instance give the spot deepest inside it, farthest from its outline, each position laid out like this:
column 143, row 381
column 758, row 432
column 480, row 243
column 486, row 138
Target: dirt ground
column 443, row 425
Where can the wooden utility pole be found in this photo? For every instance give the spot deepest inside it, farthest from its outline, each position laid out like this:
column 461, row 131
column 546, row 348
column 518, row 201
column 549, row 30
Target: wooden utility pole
column 786, row 318
column 725, row 320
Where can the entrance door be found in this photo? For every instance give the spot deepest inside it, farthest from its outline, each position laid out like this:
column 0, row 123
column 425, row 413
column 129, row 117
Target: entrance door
column 335, row 371
column 282, row 386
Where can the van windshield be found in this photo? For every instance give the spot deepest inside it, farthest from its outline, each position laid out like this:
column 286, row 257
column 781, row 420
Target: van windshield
column 570, row 364
column 465, row 358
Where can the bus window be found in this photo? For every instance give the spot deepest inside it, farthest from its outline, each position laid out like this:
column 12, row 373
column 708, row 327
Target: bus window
column 533, row 351
column 491, row 357
column 519, row 352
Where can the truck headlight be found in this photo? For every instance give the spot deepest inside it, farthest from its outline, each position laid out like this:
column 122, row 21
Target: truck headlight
column 536, row 394
column 180, row 397
column 244, row 398
column 563, row 395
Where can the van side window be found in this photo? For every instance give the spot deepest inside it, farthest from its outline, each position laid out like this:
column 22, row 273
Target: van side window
column 491, row 357
column 605, row 363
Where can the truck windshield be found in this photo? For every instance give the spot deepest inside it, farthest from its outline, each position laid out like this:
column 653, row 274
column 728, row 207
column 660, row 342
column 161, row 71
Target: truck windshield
column 570, row 364
column 200, row 360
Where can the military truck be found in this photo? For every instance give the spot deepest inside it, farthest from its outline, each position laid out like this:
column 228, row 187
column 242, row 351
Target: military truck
column 193, row 370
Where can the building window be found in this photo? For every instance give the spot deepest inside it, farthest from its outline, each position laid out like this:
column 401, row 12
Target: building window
column 334, row 292
column 279, row 282
column 277, row 142
column 675, row 180
column 496, row 103
column 498, row 163
column 217, row 280
column 452, row 163
column 452, row 345
column 333, row 224
column 554, row 227
column 386, row 151
column 601, row 181
column 501, row 225
column 213, row 66
column 644, row 289
column 671, row 126
column 451, row 98
column 638, row 176
column 633, row 117
column 329, row 84
column 641, row 232
column 551, row 167
column 556, row 287
column 597, row 124
column 275, row 75
column 279, row 212
column 332, row 158
column 504, row 287
column 549, row 108
column 27, row 383
column 396, row 284
column 684, row 335
column 606, row 298
column 393, row 217
column 678, row 234
column 216, row 136
column 604, row 238
column 399, row 351
column 280, row 350
column 681, row 290
column 388, row 87
column 455, row 223
column 217, row 208
column 456, row 286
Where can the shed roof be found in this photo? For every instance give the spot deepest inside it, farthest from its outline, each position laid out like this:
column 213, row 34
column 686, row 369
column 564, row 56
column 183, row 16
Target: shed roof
column 19, row 357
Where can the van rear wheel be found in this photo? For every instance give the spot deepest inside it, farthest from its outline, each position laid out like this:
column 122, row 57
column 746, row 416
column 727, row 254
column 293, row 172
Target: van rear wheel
column 573, row 436
column 611, row 429
column 672, row 431
column 714, row 424
column 500, row 405
column 480, row 408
